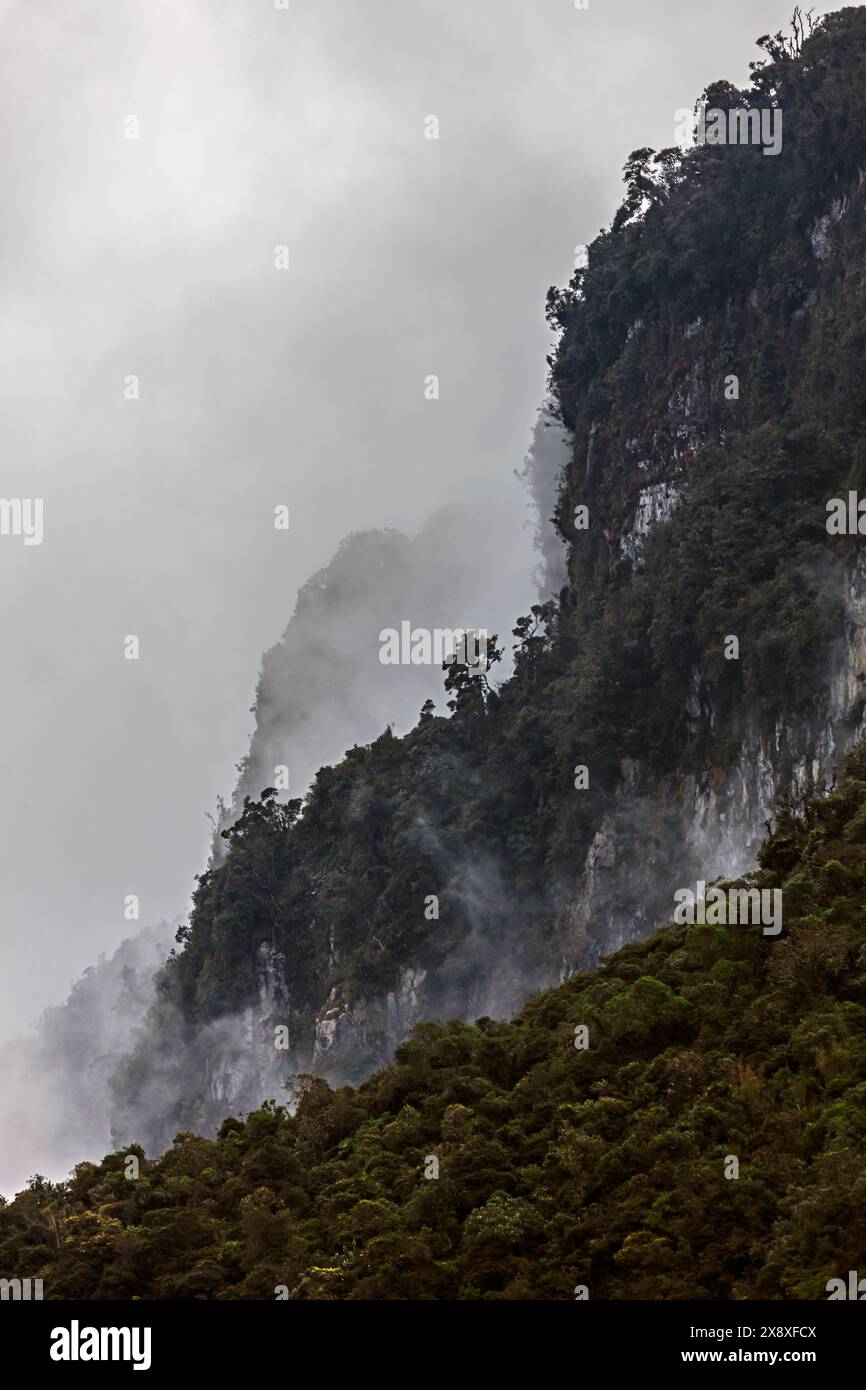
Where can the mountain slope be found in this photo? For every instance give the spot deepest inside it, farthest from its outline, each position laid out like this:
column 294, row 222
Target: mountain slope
column 603, row 1167
column 706, row 524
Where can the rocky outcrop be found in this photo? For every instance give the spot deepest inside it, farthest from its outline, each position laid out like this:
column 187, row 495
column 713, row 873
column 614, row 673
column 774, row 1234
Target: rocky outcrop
column 663, row 835
column 245, row 1054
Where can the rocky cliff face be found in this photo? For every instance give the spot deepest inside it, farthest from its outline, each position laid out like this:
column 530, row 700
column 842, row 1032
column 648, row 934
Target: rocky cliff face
column 715, row 821
column 659, row 835
column 718, row 818
column 708, row 377
column 243, row 1053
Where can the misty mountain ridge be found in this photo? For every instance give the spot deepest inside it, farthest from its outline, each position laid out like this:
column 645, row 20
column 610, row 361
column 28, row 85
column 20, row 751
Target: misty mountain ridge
column 321, row 689
column 704, row 656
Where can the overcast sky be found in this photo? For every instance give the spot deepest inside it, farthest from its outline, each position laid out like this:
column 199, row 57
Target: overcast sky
column 154, row 257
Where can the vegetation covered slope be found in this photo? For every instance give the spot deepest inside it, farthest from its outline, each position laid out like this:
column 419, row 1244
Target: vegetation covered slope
column 722, row 261
column 558, row 1167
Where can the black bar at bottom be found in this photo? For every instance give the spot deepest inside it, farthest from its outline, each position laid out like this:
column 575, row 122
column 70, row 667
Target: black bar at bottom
column 85, row 1340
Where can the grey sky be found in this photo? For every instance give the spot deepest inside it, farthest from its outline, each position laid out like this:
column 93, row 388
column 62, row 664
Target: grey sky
column 155, row 257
